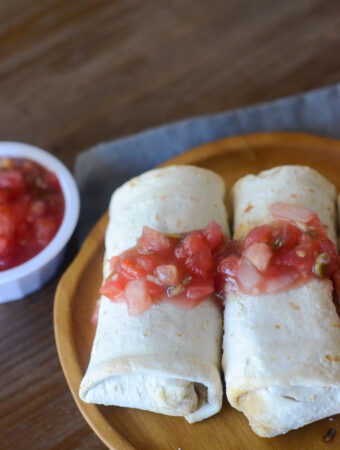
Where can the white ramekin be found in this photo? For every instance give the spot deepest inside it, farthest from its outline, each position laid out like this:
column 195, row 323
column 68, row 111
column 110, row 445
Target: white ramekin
column 28, row 277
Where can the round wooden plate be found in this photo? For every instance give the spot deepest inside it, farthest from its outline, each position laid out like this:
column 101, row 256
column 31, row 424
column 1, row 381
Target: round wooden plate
column 123, row 428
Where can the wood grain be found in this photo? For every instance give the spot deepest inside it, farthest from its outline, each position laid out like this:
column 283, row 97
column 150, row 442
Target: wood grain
column 78, row 291
column 74, row 73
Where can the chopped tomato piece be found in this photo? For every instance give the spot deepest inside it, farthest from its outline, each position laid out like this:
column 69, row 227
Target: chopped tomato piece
column 259, row 254
column 168, row 275
column 138, row 298
column 200, row 263
column 261, row 233
column 129, row 270
column 153, row 241
column 199, row 289
column 213, row 234
column 12, row 179
column 248, row 277
column 192, row 244
column 147, row 263
column 113, row 287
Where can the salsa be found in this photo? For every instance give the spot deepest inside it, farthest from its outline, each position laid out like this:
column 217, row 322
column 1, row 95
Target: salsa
column 31, row 210
column 174, row 268
column 185, row 269
column 282, row 255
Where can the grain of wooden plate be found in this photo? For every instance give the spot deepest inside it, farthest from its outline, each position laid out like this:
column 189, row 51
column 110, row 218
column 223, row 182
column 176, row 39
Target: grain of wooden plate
column 123, row 428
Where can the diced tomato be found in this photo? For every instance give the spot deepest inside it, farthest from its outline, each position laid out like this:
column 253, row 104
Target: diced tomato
column 45, row 229
column 213, row 234
column 147, row 263
column 129, row 270
column 259, row 254
column 113, row 287
column 168, row 275
column 12, row 179
column 36, row 209
column 261, row 233
column 153, row 241
column 192, row 244
column 248, row 277
column 199, row 289
column 201, row 263
column 138, row 298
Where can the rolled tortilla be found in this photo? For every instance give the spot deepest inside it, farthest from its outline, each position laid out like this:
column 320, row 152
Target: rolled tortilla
column 282, row 352
column 167, row 359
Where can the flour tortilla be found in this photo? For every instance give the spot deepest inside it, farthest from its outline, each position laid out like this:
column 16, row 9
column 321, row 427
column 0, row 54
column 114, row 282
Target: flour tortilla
column 166, row 360
column 282, row 352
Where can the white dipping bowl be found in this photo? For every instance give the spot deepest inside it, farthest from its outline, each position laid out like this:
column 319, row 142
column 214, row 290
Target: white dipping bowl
column 30, row 276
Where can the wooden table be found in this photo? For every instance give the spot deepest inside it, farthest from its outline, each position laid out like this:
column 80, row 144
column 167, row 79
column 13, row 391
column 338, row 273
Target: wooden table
column 74, row 73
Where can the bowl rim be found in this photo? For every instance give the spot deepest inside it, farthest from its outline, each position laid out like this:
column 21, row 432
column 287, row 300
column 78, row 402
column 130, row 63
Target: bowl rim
column 71, row 214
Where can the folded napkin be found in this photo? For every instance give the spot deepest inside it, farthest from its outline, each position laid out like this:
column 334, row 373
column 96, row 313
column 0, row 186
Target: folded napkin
column 101, row 169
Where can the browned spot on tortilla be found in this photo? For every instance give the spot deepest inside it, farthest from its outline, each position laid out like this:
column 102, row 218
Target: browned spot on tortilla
column 157, row 217
column 159, row 175
column 272, row 359
column 146, row 334
column 326, row 226
column 231, row 334
column 216, row 340
column 277, row 326
column 334, row 358
column 116, row 388
column 329, row 208
column 288, row 357
column 215, row 205
column 179, row 334
column 207, row 181
column 293, row 196
column 335, row 325
column 294, row 306
column 248, row 208
column 179, row 222
column 194, row 199
column 163, row 197
column 133, row 183
column 311, row 190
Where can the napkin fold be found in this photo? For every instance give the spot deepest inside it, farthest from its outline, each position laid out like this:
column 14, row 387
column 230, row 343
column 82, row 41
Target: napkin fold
column 101, row 169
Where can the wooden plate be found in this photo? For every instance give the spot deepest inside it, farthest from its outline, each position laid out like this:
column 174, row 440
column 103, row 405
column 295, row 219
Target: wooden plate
column 123, row 428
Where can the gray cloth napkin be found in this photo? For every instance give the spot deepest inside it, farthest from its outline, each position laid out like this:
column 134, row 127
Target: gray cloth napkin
column 101, row 169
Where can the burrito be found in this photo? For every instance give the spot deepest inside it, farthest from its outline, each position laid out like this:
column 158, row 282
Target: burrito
column 281, row 352
column 167, row 359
